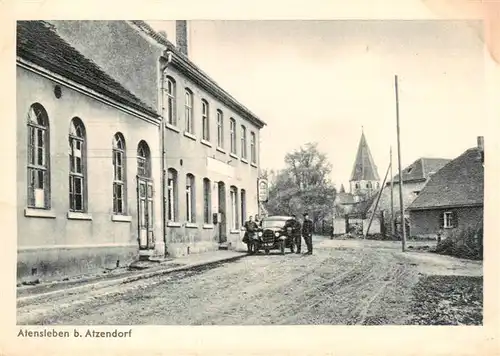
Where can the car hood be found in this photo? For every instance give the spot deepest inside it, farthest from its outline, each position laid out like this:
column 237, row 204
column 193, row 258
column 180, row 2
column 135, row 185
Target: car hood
column 273, row 229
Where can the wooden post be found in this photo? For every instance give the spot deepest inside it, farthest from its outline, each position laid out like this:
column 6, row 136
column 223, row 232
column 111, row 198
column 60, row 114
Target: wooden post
column 393, row 233
column 401, row 206
column 376, row 204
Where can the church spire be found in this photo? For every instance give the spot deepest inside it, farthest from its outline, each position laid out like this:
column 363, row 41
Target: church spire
column 364, row 167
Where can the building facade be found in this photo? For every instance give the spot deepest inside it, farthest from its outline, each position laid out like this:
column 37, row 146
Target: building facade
column 209, row 143
column 453, row 199
column 87, row 162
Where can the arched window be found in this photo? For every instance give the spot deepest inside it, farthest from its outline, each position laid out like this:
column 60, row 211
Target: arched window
column 38, row 158
column 205, row 117
column 243, row 202
column 234, row 207
column 190, row 199
column 220, row 129
column 243, row 142
column 143, row 160
column 207, row 201
column 188, row 111
column 119, row 175
column 232, row 134
column 170, row 101
column 357, row 185
column 369, row 185
column 172, row 195
column 78, row 166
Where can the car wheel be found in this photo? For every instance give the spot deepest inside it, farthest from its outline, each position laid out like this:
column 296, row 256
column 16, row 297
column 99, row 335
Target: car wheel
column 282, row 247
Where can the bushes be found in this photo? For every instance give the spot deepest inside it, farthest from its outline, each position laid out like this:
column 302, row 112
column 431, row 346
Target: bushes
column 464, row 243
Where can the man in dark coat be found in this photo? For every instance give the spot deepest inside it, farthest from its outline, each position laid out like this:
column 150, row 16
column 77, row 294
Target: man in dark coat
column 295, row 226
column 250, row 229
column 307, row 231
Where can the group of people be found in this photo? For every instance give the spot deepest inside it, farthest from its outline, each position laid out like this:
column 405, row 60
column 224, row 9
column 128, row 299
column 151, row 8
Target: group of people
column 299, row 231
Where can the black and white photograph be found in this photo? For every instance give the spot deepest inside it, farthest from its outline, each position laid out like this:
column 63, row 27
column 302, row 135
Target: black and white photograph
column 259, row 172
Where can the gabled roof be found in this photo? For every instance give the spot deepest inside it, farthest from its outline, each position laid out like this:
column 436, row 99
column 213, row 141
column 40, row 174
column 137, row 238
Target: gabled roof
column 198, row 75
column 38, row 43
column 364, row 166
column 421, row 169
column 458, row 183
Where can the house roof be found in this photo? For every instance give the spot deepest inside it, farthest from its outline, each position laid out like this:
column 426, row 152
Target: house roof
column 458, row 183
column 204, row 79
column 364, row 166
column 38, row 43
column 363, row 206
column 421, row 169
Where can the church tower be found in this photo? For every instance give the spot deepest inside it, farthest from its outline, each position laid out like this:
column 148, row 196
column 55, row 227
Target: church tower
column 364, row 178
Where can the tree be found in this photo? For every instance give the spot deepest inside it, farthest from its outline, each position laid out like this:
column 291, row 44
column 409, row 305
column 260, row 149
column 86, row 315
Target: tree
column 303, row 185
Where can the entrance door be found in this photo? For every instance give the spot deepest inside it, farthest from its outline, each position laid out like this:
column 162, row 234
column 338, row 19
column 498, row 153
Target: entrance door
column 145, row 214
column 222, row 212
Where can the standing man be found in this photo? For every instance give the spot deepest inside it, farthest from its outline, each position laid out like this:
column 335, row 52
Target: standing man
column 250, row 230
column 294, row 224
column 307, row 230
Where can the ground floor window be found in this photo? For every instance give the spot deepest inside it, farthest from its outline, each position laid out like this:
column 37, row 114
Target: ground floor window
column 449, row 219
column 234, row 208
column 207, row 201
column 243, row 202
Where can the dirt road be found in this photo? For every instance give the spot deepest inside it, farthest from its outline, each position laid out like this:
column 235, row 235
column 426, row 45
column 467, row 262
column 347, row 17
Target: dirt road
column 344, row 282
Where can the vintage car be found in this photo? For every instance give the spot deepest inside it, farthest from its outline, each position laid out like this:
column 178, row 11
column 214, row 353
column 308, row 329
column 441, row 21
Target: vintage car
column 272, row 235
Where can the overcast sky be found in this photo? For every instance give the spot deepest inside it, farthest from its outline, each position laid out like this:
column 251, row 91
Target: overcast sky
column 323, row 80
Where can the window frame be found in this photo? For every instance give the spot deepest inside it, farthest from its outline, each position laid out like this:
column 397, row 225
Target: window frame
column 190, row 198
column 171, row 105
column 172, row 194
column 37, row 130
column 253, row 147
column 243, row 142
column 75, row 137
column 220, row 129
column 188, row 111
column 243, row 206
column 205, row 120
column 144, row 169
column 233, row 197
column 233, row 136
column 207, row 201
column 449, row 223
column 119, row 180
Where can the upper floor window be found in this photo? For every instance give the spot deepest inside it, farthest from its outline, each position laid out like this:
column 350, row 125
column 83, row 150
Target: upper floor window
column 220, row 129
column 232, row 133
column 253, row 148
column 190, row 199
column 119, row 175
column 172, row 195
column 369, row 185
column 170, row 101
column 77, row 166
column 243, row 142
column 38, row 158
column 205, row 120
column 143, row 160
column 188, row 111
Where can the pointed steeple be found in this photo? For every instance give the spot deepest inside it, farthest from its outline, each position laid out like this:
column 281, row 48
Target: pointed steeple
column 364, row 167
column 342, row 189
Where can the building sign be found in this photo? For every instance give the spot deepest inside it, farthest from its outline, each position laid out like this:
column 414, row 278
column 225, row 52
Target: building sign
column 219, row 167
column 263, row 191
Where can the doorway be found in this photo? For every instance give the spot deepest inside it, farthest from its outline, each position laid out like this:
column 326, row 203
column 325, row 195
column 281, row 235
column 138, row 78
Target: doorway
column 221, row 197
column 145, row 194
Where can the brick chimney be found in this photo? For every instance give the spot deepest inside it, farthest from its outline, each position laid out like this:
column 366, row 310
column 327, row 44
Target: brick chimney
column 480, row 146
column 181, row 36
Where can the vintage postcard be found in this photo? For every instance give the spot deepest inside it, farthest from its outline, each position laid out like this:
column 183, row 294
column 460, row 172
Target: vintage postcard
column 193, row 184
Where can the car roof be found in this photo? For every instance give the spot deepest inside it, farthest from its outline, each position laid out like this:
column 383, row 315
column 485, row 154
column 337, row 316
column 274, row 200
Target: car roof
column 278, row 217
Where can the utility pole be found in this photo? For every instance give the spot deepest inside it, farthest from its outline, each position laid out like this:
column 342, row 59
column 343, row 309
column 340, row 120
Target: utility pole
column 401, row 207
column 392, row 198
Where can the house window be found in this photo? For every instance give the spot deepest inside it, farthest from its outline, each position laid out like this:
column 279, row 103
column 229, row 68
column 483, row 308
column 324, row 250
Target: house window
column 207, row 201
column 449, row 220
column 243, row 142
column 369, row 185
column 77, row 166
column 243, row 202
column 253, row 148
column 188, row 111
column 119, row 175
column 234, row 207
column 38, row 158
column 232, row 133
column 190, row 199
column 143, row 160
column 220, row 129
column 205, row 120
column 172, row 195
column 357, row 185
column 170, row 101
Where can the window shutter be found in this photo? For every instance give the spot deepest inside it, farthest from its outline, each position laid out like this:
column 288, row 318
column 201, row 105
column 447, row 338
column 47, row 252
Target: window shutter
column 441, row 220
